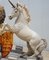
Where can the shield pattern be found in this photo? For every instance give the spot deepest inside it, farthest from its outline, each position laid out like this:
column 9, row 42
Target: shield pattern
column 6, row 41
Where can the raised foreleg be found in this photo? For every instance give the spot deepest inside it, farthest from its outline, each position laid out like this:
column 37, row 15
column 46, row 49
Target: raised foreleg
column 7, row 27
column 2, row 30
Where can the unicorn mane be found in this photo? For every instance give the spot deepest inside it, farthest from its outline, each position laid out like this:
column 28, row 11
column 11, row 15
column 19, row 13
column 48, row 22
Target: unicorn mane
column 26, row 12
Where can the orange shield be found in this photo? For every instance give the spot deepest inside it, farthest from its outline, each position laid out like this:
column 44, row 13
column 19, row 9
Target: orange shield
column 6, row 40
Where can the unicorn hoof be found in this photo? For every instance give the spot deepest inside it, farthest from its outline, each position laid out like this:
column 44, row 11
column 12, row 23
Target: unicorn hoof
column 39, row 57
column 21, row 56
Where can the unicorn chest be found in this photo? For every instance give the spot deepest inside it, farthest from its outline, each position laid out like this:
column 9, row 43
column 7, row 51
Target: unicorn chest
column 24, row 34
column 19, row 27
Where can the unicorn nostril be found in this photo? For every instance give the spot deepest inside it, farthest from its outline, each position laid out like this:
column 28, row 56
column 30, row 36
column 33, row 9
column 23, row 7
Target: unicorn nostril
column 10, row 17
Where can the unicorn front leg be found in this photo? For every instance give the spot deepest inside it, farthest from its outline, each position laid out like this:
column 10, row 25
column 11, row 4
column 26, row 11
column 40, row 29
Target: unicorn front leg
column 10, row 28
column 6, row 27
column 2, row 30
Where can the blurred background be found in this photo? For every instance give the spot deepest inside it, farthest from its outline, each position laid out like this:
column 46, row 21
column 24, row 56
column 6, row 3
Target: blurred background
column 39, row 13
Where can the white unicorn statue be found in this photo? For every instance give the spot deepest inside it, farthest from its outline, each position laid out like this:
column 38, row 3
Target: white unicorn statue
column 35, row 43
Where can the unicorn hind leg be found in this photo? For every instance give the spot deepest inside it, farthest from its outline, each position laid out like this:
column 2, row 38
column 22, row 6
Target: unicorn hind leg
column 39, row 57
column 40, row 49
column 42, row 45
column 30, row 51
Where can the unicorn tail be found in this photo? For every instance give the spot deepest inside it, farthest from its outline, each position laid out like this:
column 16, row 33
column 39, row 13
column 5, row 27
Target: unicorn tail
column 45, row 42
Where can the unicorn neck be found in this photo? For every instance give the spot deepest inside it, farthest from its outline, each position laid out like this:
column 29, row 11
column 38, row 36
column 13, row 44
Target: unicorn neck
column 21, row 19
column 23, row 16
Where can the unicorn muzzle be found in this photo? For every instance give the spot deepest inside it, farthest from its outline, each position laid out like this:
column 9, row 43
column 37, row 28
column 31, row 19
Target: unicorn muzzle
column 10, row 17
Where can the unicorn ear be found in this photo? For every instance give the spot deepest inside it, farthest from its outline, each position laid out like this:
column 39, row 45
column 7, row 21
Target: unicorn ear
column 17, row 4
column 20, row 4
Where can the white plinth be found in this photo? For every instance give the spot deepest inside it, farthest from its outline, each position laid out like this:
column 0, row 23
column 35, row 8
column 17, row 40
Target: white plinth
column 12, row 58
column 31, row 59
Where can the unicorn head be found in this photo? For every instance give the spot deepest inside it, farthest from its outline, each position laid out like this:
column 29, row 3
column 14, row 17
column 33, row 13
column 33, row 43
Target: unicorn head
column 17, row 10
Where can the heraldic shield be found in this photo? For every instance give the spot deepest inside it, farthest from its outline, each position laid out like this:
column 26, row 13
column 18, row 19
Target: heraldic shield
column 6, row 42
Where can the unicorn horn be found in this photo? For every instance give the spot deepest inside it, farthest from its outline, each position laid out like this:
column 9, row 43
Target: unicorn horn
column 11, row 3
